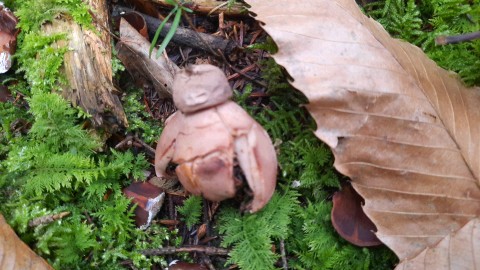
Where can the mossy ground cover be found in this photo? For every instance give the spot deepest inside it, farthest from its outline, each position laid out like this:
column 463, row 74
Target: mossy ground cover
column 50, row 163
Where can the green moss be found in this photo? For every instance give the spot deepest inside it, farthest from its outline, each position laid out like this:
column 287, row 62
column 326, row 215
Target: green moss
column 56, row 165
column 139, row 119
column 191, row 210
column 420, row 22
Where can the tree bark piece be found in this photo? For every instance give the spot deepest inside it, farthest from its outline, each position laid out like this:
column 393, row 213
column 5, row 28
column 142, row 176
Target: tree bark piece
column 88, row 69
column 185, row 36
column 133, row 51
column 16, row 255
column 173, row 250
column 210, row 7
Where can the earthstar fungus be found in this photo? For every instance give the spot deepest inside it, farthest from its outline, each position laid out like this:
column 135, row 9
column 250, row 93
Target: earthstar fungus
column 208, row 133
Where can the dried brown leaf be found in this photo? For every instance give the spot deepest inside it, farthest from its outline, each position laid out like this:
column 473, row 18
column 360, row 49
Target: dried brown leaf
column 350, row 221
column 16, row 255
column 404, row 130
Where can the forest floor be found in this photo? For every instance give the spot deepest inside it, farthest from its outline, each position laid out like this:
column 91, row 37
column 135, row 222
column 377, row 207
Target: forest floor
column 54, row 159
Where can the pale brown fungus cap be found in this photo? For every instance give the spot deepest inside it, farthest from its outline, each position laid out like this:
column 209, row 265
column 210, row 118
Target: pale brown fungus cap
column 199, row 87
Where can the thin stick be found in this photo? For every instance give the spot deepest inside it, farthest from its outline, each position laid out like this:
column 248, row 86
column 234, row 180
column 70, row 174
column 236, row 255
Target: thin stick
column 210, row 251
column 47, row 219
column 208, row 262
column 283, row 254
column 443, row 40
column 246, row 69
column 147, row 147
column 126, row 141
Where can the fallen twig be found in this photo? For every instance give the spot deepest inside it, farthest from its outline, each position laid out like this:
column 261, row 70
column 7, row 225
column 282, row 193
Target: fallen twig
column 283, row 254
column 242, row 72
column 206, row 260
column 47, row 219
column 444, row 40
column 185, row 36
column 173, row 250
column 127, row 141
column 150, row 151
column 211, row 7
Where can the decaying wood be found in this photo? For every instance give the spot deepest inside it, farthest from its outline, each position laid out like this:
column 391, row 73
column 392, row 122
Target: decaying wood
column 47, row 219
column 15, row 254
column 210, row 7
column 173, row 250
column 185, row 36
column 133, row 51
column 87, row 67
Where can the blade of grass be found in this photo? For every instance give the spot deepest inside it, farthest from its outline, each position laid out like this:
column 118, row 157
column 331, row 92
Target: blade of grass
column 159, row 29
column 171, row 32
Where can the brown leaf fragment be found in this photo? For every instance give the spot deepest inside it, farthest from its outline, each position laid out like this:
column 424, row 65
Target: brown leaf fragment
column 135, row 20
column 149, row 200
column 403, row 129
column 202, row 231
column 133, row 51
column 146, row 7
column 16, row 255
column 350, row 221
column 5, row 94
column 8, row 37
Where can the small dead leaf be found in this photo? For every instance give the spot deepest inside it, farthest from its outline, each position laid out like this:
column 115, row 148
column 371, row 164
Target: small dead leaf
column 149, row 200
column 350, row 221
column 4, row 94
column 135, row 20
column 146, row 7
column 202, row 231
column 16, row 255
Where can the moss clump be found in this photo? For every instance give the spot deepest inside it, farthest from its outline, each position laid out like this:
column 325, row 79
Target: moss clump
column 420, row 22
column 55, row 165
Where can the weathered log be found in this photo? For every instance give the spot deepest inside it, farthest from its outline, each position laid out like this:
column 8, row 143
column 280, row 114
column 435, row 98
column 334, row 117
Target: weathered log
column 87, row 67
